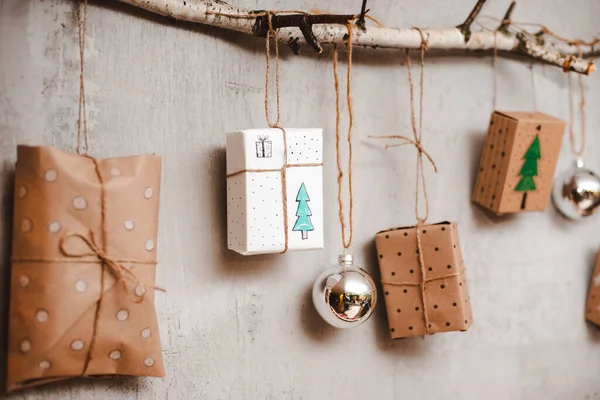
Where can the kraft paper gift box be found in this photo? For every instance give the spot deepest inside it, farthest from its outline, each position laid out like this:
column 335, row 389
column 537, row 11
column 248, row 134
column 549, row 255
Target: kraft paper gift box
column 274, row 190
column 592, row 307
column 444, row 297
column 79, row 223
column 518, row 162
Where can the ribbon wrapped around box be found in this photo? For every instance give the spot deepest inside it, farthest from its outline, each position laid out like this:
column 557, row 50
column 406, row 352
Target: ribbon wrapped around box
column 83, row 267
column 425, row 291
column 274, row 190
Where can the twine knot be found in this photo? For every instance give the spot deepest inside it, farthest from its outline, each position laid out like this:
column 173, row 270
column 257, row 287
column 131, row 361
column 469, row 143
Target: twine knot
column 119, row 271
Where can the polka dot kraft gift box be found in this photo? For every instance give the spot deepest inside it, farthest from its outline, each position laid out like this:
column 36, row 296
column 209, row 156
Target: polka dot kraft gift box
column 274, row 190
column 83, row 267
column 518, row 161
column 425, row 290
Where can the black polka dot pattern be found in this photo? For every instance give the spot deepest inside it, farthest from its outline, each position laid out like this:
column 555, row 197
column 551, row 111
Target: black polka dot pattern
column 255, row 209
column 445, row 287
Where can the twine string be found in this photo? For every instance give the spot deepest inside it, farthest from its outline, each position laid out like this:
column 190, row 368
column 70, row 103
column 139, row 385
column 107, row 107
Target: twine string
column 495, row 76
column 495, row 70
column 577, row 151
column 272, row 32
column 417, row 131
column 346, row 240
column 82, row 113
column 533, row 96
column 420, row 175
column 99, row 250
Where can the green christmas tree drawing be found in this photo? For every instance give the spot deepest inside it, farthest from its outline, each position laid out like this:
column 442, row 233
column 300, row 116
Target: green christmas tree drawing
column 303, row 223
column 529, row 170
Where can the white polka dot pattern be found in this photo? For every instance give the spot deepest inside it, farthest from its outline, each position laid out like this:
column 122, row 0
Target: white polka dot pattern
column 140, row 290
column 129, row 224
column 148, row 193
column 22, row 191
column 24, row 281
column 42, row 315
column 77, row 345
column 25, row 346
column 45, row 364
column 50, row 175
column 149, row 244
column 54, row 226
column 58, row 195
column 122, row 315
column 79, row 203
column 26, row 225
column 114, row 171
column 80, row 286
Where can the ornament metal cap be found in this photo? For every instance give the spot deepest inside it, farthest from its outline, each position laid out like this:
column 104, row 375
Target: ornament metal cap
column 345, row 259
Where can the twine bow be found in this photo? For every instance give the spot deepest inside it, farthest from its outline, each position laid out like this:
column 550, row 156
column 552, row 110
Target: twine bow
column 417, row 132
column 119, row 271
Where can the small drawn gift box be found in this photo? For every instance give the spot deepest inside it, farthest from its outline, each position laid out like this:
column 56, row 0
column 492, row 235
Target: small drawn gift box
column 424, row 300
column 274, row 204
column 83, row 265
column 518, row 161
column 264, row 147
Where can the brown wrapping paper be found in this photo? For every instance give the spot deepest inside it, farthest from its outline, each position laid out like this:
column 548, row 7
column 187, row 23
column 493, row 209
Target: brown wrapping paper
column 60, row 325
column 445, row 296
column 509, row 138
column 592, row 307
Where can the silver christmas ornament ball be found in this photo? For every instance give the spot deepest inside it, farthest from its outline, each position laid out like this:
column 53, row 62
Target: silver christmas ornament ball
column 345, row 295
column 576, row 192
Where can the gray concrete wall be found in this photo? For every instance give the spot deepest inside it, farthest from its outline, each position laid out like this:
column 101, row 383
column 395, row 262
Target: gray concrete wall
column 238, row 327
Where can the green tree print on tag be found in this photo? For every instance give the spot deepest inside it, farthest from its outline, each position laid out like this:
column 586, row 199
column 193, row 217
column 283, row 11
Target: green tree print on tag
column 529, row 170
column 303, row 223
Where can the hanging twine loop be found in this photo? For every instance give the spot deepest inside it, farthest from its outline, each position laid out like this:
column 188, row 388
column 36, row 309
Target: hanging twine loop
column 346, row 239
column 82, row 113
column 495, row 76
column 577, row 151
column 421, row 185
column 271, row 32
column 417, row 131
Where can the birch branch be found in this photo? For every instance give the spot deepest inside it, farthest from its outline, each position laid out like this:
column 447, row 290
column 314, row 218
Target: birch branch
column 210, row 12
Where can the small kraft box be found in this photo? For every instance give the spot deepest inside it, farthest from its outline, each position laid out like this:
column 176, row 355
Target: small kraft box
column 518, row 162
column 417, row 303
column 274, row 190
column 592, row 307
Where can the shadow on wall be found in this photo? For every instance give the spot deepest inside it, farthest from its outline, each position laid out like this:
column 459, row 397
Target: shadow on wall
column 407, row 347
column 7, row 175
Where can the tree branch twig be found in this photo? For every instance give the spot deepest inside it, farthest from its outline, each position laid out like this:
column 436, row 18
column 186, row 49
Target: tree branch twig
column 506, row 20
column 220, row 14
column 465, row 27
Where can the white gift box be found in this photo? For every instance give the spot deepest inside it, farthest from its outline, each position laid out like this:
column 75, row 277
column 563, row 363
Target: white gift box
column 274, row 186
